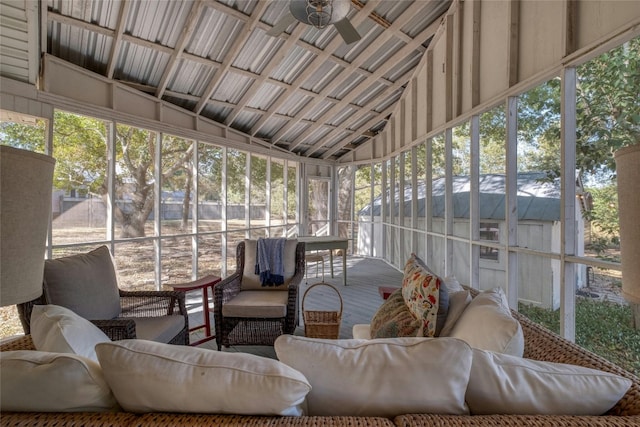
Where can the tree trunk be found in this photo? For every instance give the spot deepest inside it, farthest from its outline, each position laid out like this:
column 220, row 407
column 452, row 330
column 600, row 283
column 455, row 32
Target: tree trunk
column 345, row 196
column 132, row 225
column 187, row 200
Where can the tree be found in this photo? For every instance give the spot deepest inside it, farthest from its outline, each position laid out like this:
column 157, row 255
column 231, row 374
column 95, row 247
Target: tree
column 608, row 107
column 539, row 129
column 134, row 178
column 318, row 204
column 277, row 191
column 345, row 197
column 24, row 136
column 177, row 156
column 292, row 196
column 362, row 184
column 604, row 218
column 80, row 149
column 236, row 176
column 492, row 143
column 210, row 173
column 608, row 117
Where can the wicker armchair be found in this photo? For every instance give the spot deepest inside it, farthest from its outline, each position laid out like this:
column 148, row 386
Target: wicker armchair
column 87, row 284
column 266, row 315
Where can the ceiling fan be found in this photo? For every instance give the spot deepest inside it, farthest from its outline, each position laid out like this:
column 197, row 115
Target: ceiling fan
column 320, row 14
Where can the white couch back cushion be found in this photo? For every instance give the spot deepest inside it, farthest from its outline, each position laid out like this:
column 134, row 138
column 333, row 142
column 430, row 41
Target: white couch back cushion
column 486, row 323
column 38, row 381
column 60, row 330
column 381, row 377
column 503, row 384
column 147, row 376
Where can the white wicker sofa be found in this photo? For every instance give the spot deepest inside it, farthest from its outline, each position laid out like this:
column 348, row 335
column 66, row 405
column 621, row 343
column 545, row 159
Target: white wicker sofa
column 482, row 365
column 540, row 344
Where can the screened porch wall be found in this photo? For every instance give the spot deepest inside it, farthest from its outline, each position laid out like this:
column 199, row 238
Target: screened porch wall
column 485, row 55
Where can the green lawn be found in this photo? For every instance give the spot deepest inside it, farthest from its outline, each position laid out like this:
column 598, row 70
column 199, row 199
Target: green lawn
column 603, row 327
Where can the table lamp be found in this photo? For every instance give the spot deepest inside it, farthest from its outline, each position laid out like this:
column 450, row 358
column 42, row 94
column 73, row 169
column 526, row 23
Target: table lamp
column 25, row 206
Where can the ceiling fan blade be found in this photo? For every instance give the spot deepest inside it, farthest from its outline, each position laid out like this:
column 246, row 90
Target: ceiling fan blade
column 281, row 25
column 347, row 31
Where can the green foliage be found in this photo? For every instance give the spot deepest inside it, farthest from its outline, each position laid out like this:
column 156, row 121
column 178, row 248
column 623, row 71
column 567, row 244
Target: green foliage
column 134, row 178
column 236, row 175
column 438, row 156
column 80, row 147
column 210, row 173
column 604, row 218
column 258, row 180
column 600, row 245
column 277, row 189
column 602, row 327
column 606, row 329
column 493, row 141
column 608, row 107
column 461, row 151
column 539, row 129
column 292, row 197
column 548, row 318
column 608, row 117
column 25, row 136
column 362, row 187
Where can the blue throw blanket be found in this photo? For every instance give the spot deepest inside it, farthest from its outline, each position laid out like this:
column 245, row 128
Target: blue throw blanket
column 270, row 261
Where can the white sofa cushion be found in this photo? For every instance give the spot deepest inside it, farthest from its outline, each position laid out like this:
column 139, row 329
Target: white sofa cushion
column 37, row 381
column 381, row 377
column 453, row 285
column 60, row 330
column 159, row 329
column 458, row 302
column 251, row 280
column 361, row 331
column 147, row 376
column 503, row 384
column 257, row 304
column 487, row 324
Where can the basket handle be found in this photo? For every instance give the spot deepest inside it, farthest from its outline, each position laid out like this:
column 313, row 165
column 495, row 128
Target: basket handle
column 322, row 284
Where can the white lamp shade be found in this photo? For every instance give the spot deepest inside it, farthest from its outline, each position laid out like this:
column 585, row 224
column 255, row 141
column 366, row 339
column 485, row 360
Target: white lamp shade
column 628, row 171
column 25, row 206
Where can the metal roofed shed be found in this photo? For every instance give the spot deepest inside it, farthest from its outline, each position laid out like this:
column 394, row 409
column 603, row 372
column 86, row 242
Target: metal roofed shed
column 538, row 228
column 538, row 198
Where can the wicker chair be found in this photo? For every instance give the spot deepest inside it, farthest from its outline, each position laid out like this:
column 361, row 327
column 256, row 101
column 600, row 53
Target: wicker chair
column 87, row 284
column 246, row 313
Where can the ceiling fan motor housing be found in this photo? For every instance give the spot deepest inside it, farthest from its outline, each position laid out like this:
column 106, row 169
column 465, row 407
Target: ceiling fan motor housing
column 319, row 13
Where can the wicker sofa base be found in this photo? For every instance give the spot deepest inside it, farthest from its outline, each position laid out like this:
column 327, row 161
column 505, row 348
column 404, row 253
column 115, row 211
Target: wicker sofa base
column 540, row 344
column 123, row 419
column 424, row 420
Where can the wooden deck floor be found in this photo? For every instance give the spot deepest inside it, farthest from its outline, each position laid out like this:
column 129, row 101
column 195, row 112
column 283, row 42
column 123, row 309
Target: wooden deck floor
column 360, row 298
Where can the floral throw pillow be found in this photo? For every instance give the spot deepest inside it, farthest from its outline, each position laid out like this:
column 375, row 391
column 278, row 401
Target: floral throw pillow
column 393, row 319
column 421, row 293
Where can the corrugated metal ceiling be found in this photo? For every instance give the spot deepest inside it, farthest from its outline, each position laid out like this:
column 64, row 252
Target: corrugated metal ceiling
column 305, row 91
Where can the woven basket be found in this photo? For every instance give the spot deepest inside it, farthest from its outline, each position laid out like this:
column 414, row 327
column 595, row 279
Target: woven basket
column 322, row 324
